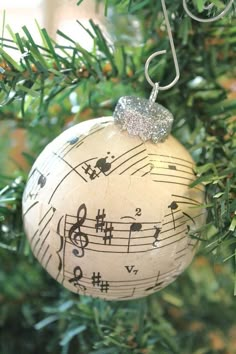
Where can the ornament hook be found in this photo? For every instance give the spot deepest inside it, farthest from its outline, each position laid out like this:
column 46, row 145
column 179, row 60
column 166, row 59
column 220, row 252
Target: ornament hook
column 208, row 7
column 160, row 52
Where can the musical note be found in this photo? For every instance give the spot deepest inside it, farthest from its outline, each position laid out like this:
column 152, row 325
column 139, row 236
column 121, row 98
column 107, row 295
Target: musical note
column 73, row 140
column 96, row 279
column 133, row 228
column 77, row 237
column 78, row 274
column 156, row 235
column 100, row 220
column 37, row 180
column 103, row 165
column 42, row 181
column 108, row 233
column 156, row 285
column 173, row 206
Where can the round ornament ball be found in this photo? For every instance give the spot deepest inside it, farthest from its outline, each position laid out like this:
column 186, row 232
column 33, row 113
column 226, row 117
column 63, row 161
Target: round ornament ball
column 109, row 215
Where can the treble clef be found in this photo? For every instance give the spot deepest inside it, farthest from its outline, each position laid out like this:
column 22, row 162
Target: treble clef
column 77, row 237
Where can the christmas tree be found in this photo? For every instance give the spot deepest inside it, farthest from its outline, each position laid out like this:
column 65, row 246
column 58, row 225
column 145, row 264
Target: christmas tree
column 53, row 87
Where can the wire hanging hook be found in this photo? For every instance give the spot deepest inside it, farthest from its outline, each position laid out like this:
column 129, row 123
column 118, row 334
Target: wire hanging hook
column 207, row 7
column 160, row 52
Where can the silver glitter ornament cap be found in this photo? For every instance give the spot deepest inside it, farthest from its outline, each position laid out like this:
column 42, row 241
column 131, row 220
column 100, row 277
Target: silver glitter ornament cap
column 142, row 117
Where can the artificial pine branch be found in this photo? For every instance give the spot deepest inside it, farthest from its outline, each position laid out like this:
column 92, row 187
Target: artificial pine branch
column 35, row 94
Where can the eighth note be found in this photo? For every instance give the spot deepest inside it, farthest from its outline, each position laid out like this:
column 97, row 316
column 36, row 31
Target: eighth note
column 136, row 226
column 156, row 235
column 77, row 237
column 173, row 206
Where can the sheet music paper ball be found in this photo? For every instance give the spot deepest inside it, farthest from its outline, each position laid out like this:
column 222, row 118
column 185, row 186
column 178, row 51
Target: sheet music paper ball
column 108, row 215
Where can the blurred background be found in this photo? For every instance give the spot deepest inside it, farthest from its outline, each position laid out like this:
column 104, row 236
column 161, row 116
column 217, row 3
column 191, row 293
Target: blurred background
column 52, row 15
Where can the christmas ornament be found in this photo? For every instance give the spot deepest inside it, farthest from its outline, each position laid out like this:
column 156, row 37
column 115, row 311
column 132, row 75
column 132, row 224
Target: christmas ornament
column 108, row 215
column 108, row 209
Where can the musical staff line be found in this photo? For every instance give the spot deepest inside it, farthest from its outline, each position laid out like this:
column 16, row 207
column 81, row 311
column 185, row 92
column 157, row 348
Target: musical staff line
column 179, row 257
column 46, row 264
column 177, row 164
column 44, row 254
column 81, row 141
column 183, row 249
column 141, row 168
column 135, row 163
column 121, row 238
column 128, row 282
column 140, row 237
column 176, row 219
column 72, row 170
column 127, row 152
column 128, row 159
column 49, row 220
column 31, row 206
column 120, row 230
column 146, row 173
column 171, row 157
column 178, row 170
column 117, row 222
column 174, row 235
column 183, row 197
column 171, row 243
column 32, row 239
column 135, row 233
column 182, row 184
column 184, row 214
column 112, row 287
column 35, row 245
column 69, row 143
column 172, row 176
column 173, row 228
column 41, row 246
column 105, row 250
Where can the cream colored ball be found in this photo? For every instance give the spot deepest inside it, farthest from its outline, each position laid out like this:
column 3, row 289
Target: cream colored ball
column 108, row 215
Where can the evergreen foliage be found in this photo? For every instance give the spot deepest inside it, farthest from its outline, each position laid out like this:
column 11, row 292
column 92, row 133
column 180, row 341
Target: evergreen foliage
column 52, row 87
